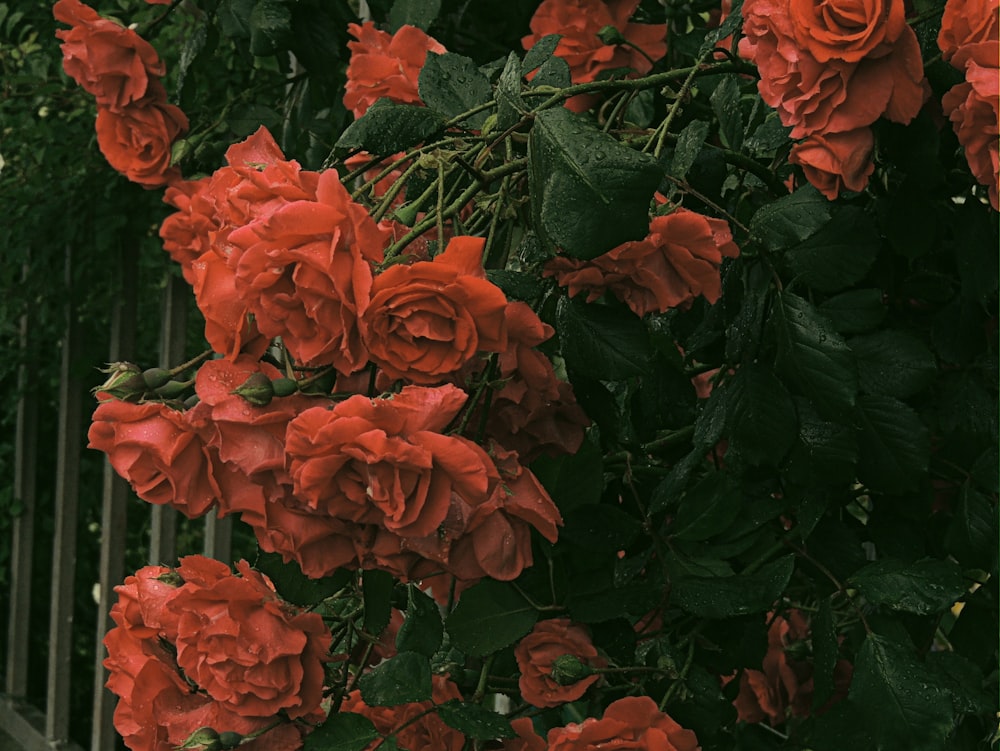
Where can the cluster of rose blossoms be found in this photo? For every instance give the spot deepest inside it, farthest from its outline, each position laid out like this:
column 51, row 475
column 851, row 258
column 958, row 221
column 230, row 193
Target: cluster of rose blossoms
column 374, row 474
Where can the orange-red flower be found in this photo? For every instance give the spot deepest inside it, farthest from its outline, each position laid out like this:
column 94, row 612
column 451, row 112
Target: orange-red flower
column 581, row 22
column 385, row 65
column 677, row 261
column 969, row 28
column 634, row 722
column 109, row 61
column 536, row 655
column 428, row 319
column 836, row 161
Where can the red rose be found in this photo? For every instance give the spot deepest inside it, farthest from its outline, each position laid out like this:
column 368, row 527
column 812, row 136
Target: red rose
column 156, row 449
column 243, row 646
column 969, row 28
column 533, row 412
column 385, row 65
column 496, row 539
column 836, row 161
column 305, row 272
column 111, row 62
column 527, row 739
column 136, row 140
column 634, row 722
column 537, row 653
column 427, row 320
column 847, row 30
column 417, row 728
column 972, row 108
column 186, row 232
column 784, row 686
column 158, row 707
column 385, row 461
column 580, row 22
column 229, row 327
column 676, row 262
column 839, row 92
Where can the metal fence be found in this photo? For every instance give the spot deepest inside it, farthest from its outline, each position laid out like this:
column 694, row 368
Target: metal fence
column 24, row 726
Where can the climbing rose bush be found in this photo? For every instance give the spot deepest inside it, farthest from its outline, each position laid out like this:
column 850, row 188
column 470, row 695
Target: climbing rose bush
column 603, row 375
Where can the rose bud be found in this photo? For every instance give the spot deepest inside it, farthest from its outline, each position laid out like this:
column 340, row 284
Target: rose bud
column 124, row 381
column 257, row 389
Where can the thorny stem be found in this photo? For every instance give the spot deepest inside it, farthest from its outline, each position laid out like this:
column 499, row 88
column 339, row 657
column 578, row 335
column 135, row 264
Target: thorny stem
column 841, row 589
column 663, row 128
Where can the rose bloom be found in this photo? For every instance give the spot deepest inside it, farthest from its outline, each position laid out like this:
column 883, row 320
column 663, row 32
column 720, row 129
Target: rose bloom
column 385, row 65
column 158, row 707
column 634, row 722
column 245, row 647
column 155, row 448
column 533, row 412
column 229, row 327
column 819, row 84
column 677, row 261
column 496, row 539
column 969, row 28
column 137, row 139
column 428, row 319
column 784, row 686
column 580, row 21
column 537, row 652
column 428, row 732
column 305, row 272
column 972, row 108
column 185, row 233
column 836, row 161
column 385, row 461
column 111, row 62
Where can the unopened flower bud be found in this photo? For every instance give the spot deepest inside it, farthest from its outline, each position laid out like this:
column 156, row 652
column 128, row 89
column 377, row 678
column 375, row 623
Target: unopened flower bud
column 203, row 739
column 257, row 389
column 407, row 214
column 155, row 377
column 284, row 386
column 230, row 739
column 172, row 389
column 124, row 381
column 567, row 669
column 610, row 35
column 170, row 577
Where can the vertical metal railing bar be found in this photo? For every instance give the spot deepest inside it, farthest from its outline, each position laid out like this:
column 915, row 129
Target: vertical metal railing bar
column 114, row 503
column 219, row 537
column 25, row 464
column 173, row 337
column 64, row 539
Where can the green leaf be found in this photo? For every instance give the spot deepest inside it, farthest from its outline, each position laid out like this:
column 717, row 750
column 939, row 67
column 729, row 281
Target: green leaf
column 589, row 193
column 572, row 480
column 726, row 105
column 510, row 105
column 403, row 678
column 770, row 136
column 708, row 508
column 972, row 532
column 594, row 597
column 854, row 312
column 825, row 649
column 791, row 219
column 234, row 18
column 388, row 128
column 689, row 143
column 813, row 357
column 419, row 13
column 924, row 587
column 452, row 84
column 893, row 444
column 294, row 586
column 600, row 528
column 540, row 52
column 270, row 27
column 554, row 73
column 760, row 415
column 604, row 343
column 475, row 721
column 422, row 630
column 839, row 253
column 963, row 680
column 898, row 699
column 893, row 363
column 343, row 731
column 725, row 597
column 825, row 453
column 489, row 616
column 376, row 591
